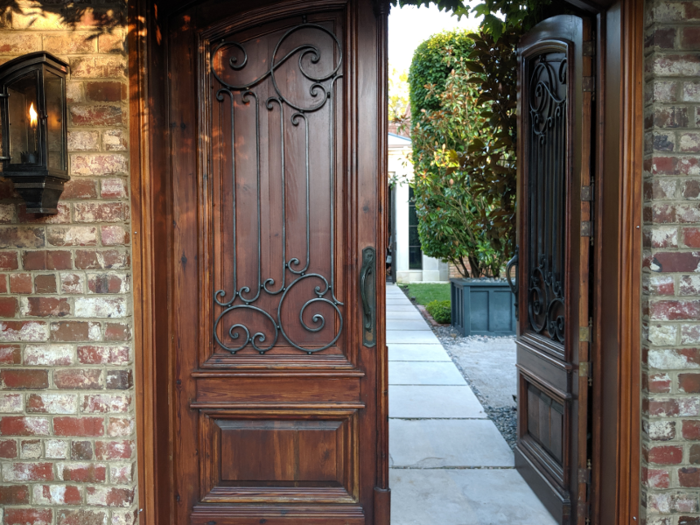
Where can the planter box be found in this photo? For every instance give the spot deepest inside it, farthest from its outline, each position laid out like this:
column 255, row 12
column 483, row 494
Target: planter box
column 482, row 307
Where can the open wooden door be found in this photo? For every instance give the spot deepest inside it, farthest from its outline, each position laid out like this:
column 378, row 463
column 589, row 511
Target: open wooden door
column 277, row 359
column 554, row 237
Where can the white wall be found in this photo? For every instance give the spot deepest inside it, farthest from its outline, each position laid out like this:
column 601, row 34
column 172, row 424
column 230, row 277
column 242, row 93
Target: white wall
column 400, row 167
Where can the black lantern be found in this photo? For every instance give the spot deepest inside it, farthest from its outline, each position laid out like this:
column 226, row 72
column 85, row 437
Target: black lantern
column 33, row 103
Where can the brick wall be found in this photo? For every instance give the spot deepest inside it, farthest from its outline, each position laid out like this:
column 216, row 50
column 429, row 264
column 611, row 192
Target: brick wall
column 671, row 287
column 67, row 441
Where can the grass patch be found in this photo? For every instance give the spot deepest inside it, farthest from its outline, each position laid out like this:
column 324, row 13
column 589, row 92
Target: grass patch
column 427, row 292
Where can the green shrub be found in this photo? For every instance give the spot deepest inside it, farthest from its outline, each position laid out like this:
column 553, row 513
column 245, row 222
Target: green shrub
column 441, row 311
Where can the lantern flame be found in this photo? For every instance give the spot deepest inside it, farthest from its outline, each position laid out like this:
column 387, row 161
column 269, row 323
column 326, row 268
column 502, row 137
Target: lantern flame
column 33, row 116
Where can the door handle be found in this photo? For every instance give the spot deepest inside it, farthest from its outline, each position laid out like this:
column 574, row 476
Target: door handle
column 368, row 293
column 514, row 286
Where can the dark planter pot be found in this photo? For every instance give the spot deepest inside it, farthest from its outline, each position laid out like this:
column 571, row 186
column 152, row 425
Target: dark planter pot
column 482, row 307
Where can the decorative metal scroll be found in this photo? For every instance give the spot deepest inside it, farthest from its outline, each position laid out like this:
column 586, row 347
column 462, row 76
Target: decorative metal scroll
column 243, row 297
column 546, row 194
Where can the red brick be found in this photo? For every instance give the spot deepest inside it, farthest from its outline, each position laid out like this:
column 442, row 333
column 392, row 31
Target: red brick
column 21, row 283
column 114, row 189
column 28, row 517
column 48, row 355
column 3, row 283
column 656, row 478
column 72, row 236
column 70, row 44
column 59, row 260
column 62, row 217
column 98, row 67
column 96, row 115
column 691, row 429
column 82, row 472
column 659, row 383
column 663, row 38
column 75, row 331
column 117, row 332
column 119, row 380
column 114, row 235
column 107, row 283
column 78, row 426
column 34, row 260
column 661, row 407
column 689, row 383
column 689, row 477
column 48, row 495
column 106, row 91
column 24, row 426
column 8, row 449
column 10, row 355
column 23, row 331
column 101, row 259
column 113, row 450
column 21, row 237
column 45, row 307
column 14, row 379
column 103, row 355
column 667, row 310
column 81, row 450
column 677, row 261
column 98, row 164
column 8, row 307
column 80, row 189
column 690, row 38
column 109, row 496
column 9, row 261
column 52, row 404
column 45, row 284
column 105, row 404
column 694, row 455
column 19, row 43
column 98, row 212
column 120, row 426
column 691, row 237
column 14, row 495
column 28, row 472
column 72, row 283
column 78, row 379
column 81, row 517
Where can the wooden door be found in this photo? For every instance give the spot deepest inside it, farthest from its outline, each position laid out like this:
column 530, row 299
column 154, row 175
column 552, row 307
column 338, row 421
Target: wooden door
column 278, row 362
column 554, row 239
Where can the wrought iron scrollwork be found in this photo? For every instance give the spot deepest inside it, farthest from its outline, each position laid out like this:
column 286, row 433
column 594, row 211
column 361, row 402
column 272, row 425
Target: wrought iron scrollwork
column 546, row 193
column 322, row 89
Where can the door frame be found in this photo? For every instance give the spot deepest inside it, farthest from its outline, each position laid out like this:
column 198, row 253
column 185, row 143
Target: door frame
column 617, row 425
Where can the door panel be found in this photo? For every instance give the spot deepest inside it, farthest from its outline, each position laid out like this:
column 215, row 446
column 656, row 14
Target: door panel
column 278, row 365
column 555, row 180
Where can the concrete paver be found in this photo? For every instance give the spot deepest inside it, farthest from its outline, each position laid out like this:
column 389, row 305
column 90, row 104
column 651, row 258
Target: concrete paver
column 440, row 443
column 434, row 402
column 424, row 373
column 464, row 497
column 449, row 463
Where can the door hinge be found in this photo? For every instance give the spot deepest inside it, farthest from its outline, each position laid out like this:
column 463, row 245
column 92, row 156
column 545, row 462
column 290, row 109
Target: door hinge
column 588, row 84
column 589, row 48
column 588, row 193
column 584, row 475
column 586, row 228
column 584, row 369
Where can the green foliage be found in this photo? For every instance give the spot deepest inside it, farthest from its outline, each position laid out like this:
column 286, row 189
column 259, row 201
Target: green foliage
column 441, row 311
column 451, row 123
column 427, row 292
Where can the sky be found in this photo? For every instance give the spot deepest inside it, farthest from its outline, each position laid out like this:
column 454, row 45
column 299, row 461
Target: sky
column 410, row 26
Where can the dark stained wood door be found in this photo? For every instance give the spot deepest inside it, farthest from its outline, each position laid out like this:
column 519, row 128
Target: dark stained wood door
column 278, row 362
column 554, row 239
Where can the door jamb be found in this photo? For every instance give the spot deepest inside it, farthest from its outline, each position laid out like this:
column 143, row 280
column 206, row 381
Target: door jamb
column 144, row 43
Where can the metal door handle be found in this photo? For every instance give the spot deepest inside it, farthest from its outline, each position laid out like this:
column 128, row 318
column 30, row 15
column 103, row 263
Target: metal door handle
column 368, row 294
column 513, row 285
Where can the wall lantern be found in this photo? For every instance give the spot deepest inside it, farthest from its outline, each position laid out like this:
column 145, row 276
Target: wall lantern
column 33, row 131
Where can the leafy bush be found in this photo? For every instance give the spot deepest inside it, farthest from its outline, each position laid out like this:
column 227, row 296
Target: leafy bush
column 441, row 311
column 459, row 222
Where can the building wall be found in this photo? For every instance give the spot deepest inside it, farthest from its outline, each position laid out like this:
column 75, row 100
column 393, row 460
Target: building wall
column 671, row 286
column 433, row 269
column 67, row 436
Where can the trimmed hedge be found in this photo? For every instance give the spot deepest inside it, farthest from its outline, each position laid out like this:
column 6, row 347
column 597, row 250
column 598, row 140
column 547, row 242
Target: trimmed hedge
column 441, row 311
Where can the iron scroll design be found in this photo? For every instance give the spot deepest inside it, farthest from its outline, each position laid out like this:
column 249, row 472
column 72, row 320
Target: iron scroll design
column 322, row 89
column 547, row 169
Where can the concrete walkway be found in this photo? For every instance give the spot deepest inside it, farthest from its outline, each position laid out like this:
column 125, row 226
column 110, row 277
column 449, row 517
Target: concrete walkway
column 449, row 463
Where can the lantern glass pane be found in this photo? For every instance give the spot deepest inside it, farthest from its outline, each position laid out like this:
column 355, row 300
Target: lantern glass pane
column 23, row 115
column 54, row 120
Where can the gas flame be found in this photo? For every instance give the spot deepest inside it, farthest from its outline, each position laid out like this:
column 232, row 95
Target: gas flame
column 33, row 116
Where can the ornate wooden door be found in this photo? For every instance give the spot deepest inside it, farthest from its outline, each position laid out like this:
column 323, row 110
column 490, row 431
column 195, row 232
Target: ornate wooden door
column 554, row 237
column 277, row 129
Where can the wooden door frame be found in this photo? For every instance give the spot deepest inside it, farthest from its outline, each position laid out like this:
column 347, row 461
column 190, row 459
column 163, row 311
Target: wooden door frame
column 149, row 161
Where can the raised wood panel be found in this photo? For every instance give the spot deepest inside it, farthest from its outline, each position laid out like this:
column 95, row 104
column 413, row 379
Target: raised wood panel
column 297, row 515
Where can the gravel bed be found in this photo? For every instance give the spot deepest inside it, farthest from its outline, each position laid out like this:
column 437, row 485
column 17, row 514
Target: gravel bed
column 504, row 417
